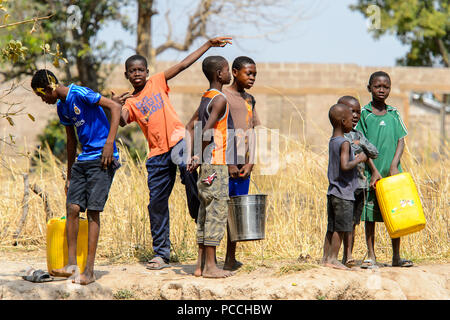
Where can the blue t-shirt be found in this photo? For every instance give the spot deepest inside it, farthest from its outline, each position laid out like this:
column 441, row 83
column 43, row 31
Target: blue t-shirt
column 81, row 110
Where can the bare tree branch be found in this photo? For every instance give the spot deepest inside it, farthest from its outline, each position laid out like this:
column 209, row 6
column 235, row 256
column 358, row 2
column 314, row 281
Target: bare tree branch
column 196, row 27
column 25, row 21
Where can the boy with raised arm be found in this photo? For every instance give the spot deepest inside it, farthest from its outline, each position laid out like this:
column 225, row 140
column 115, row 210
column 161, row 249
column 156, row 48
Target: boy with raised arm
column 149, row 105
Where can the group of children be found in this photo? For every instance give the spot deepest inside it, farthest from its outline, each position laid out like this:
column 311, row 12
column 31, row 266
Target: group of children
column 89, row 176
column 366, row 146
column 225, row 160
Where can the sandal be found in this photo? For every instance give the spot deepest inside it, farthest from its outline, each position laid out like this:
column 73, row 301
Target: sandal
column 38, row 276
column 157, row 263
column 369, row 264
column 403, row 263
column 349, row 263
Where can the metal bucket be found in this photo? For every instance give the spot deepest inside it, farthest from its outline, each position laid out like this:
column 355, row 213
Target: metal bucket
column 247, row 217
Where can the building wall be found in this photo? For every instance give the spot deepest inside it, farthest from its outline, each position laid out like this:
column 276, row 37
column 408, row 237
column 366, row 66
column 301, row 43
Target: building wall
column 292, row 97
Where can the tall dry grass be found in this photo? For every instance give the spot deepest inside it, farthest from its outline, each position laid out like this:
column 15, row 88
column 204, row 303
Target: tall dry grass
column 296, row 212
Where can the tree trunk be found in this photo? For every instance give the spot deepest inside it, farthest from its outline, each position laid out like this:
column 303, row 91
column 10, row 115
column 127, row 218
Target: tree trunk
column 144, row 45
column 443, row 51
column 87, row 72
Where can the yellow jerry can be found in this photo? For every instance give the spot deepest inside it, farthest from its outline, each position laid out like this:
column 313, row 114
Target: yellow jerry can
column 400, row 205
column 57, row 254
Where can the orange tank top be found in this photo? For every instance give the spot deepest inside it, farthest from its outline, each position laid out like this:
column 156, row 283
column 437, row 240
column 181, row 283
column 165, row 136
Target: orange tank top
column 218, row 151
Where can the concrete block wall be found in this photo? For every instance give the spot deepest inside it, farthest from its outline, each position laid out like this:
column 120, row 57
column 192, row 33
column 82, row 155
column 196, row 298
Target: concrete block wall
column 292, row 97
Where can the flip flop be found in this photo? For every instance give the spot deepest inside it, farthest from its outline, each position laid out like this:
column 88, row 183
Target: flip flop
column 38, row 276
column 157, row 263
column 369, row 264
column 350, row 263
column 403, row 263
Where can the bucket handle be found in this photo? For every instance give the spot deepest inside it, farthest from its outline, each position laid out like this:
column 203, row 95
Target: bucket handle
column 255, row 185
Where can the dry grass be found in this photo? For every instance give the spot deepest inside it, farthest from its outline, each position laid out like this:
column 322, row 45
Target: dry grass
column 296, row 222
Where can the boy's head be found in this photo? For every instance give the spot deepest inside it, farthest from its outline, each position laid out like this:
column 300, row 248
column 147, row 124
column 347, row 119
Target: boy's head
column 379, row 85
column 216, row 68
column 244, row 71
column 44, row 84
column 354, row 106
column 136, row 70
column 341, row 117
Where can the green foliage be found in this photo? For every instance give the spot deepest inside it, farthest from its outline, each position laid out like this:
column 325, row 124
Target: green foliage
column 72, row 34
column 2, row 5
column 20, row 43
column 123, row 294
column 54, row 137
column 423, row 25
column 14, row 51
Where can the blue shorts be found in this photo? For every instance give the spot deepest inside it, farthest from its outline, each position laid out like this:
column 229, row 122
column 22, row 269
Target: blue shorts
column 238, row 186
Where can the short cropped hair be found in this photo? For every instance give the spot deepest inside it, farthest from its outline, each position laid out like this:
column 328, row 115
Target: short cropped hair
column 133, row 58
column 242, row 61
column 347, row 98
column 378, row 74
column 336, row 114
column 211, row 65
column 43, row 78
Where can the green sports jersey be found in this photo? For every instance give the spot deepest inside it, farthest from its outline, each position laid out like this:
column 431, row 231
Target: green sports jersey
column 383, row 132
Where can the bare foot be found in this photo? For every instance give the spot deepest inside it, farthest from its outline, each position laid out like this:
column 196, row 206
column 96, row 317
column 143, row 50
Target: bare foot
column 216, row 273
column 336, row 265
column 84, row 279
column 200, row 264
column 66, row 271
column 198, row 272
column 232, row 265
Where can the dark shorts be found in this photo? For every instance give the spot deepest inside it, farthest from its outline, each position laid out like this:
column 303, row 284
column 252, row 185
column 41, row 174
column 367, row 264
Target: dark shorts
column 89, row 185
column 340, row 214
column 358, row 206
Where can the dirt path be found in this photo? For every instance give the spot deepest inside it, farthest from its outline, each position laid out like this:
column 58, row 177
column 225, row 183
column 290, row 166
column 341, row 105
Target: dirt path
column 284, row 281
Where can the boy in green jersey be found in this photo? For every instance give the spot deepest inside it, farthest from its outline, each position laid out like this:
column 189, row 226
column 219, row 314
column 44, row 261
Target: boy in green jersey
column 382, row 125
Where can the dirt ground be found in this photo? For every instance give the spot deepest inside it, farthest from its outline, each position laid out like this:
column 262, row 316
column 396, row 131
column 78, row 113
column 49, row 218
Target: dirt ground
column 297, row 280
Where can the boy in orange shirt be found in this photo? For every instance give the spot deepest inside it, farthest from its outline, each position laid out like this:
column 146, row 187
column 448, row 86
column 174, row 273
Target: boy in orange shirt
column 150, row 107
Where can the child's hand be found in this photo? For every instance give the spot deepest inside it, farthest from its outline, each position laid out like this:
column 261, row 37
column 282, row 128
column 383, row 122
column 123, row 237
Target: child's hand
column 393, row 171
column 120, row 99
column 375, row 177
column 356, row 142
column 245, row 171
column 193, row 164
column 361, row 157
column 107, row 154
column 220, row 41
column 233, row 171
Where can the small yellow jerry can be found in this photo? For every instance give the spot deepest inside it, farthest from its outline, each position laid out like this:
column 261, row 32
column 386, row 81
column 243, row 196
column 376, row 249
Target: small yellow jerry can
column 57, row 254
column 400, row 205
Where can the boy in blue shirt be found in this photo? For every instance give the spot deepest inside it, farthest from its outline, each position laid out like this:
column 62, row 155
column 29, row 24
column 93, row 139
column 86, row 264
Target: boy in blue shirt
column 89, row 177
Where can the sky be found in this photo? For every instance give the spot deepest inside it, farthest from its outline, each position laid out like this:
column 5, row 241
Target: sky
column 329, row 32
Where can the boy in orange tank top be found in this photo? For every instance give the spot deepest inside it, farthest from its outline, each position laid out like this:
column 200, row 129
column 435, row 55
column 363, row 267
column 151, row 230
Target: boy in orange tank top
column 215, row 119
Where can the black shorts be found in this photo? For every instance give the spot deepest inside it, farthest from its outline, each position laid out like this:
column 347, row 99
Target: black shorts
column 360, row 198
column 89, row 184
column 340, row 214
